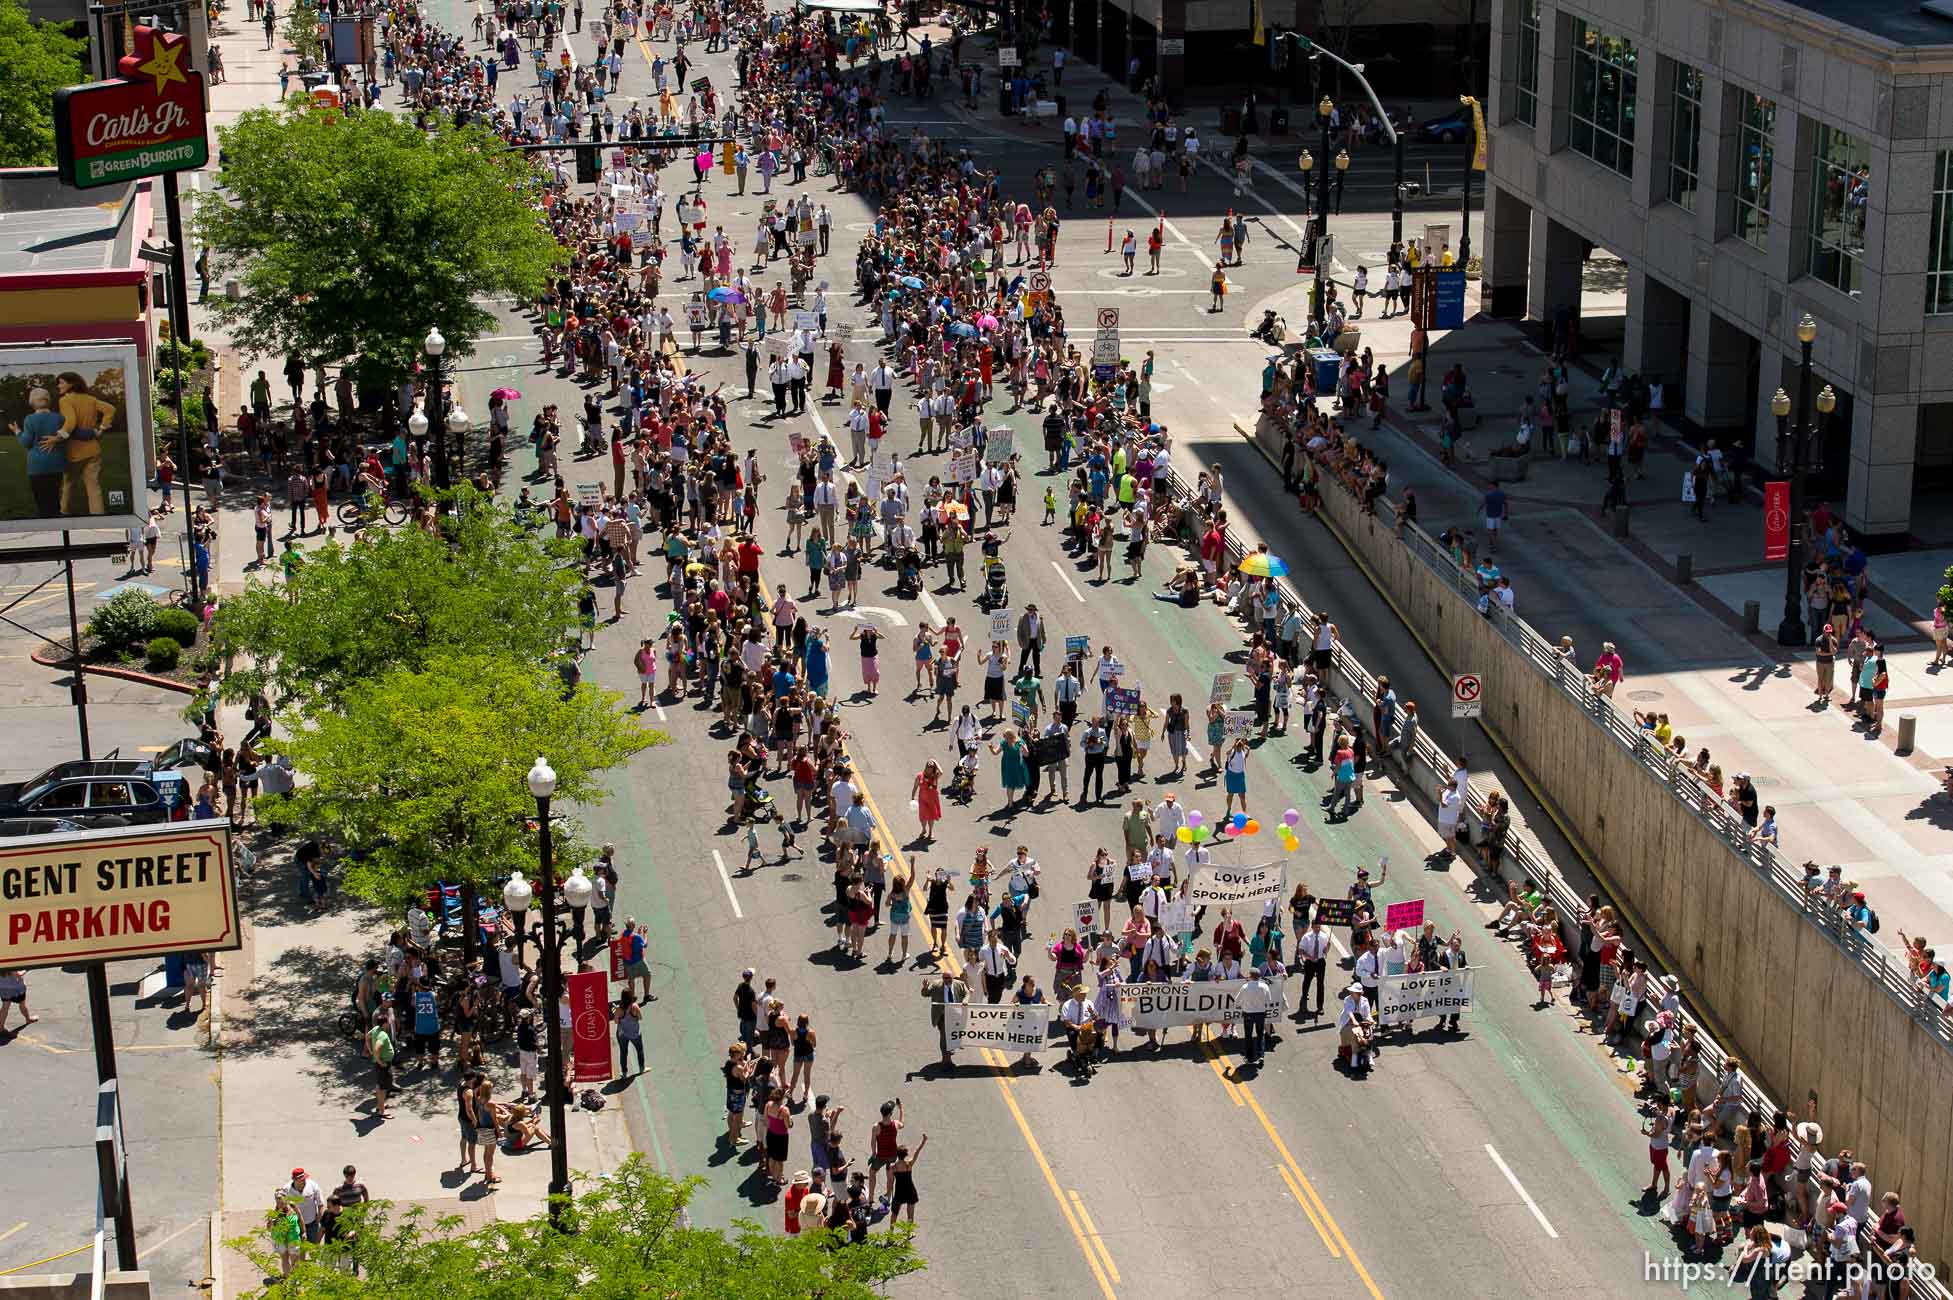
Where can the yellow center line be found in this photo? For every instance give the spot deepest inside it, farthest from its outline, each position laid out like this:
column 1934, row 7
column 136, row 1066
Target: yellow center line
column 1268, row 1127
column 1220, row 1071
column 1309, row 1210
column 36, row 1263
column 999, row 1065
column 1098, row 1242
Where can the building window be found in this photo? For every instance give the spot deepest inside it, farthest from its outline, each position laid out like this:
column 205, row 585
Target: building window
column 1602, row 118
column 1939, row 281
column 1525, row 89
column 1755, row 142
column 1685, row 137
column 1841, row 183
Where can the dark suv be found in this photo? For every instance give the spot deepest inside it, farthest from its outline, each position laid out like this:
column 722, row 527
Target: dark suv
column 104, row 792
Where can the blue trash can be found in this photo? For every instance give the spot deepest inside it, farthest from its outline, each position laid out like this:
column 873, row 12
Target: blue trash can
column 173, row 971
column 1325, row 362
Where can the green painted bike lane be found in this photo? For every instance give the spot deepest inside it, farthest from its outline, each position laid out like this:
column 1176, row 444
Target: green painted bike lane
column 1576, row 1110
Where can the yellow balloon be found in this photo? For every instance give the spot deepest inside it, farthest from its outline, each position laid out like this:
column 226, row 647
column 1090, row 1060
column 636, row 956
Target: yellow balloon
column 1184, row 835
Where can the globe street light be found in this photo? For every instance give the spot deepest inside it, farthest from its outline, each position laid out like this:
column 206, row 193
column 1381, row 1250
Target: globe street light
column 576, row 892
column 542, row 784
column 516, row 897
column 435, row 346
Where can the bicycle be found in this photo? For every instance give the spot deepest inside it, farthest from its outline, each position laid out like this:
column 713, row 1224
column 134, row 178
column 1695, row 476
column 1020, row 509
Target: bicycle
column 357, row 513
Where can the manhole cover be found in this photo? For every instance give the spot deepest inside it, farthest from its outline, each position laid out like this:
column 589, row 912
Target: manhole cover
column 1646, row 696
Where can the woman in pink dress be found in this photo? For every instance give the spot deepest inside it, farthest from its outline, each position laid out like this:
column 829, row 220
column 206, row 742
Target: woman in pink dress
column 928, row 798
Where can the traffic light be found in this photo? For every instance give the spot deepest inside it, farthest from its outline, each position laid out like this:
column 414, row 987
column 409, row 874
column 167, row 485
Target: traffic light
column 586, row 166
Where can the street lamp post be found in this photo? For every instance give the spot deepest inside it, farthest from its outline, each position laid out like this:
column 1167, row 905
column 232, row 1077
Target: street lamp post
column 1791, row 631
column 1397, row 208
column 435, row 347
column 516, row 898
column 1465, row 213
column 542, row 784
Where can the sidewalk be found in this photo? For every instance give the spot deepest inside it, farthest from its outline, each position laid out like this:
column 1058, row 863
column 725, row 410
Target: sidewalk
column 295, row 1093
column 1841, row 797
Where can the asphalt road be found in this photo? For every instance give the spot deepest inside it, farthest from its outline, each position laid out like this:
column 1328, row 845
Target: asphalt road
column 1503, row 1159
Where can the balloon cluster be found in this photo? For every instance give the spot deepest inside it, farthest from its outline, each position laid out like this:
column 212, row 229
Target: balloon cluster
column 1196, row 831
column 1242, row 824
column 1290, row 840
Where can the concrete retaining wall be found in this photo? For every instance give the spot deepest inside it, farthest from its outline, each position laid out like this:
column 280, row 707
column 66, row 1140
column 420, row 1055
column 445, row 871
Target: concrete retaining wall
column 1802, row 1014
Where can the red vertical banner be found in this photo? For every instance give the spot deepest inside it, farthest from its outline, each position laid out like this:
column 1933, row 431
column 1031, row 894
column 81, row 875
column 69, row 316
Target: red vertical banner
column 620, row 959
column 590, row 1027
column 1776, row 520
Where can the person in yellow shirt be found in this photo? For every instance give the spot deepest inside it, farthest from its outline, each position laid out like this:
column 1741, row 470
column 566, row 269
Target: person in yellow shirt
column 84, row 419
column 1413, row 254
column 1445, row 257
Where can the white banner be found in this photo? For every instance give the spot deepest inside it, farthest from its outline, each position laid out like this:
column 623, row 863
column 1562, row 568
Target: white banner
column 1007, row 1027
column 1216, row 885
column 1431, row 993
column 1212, row 1002
column 1177, row 916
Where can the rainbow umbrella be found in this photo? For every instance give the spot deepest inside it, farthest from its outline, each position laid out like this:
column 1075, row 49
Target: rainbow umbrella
column 1263, row 565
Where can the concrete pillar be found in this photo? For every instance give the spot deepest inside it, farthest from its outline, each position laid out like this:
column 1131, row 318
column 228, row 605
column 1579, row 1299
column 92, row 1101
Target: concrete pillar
column 1717, row 392
column 1507, row 250
column 1172, row 47
column 1555, row 261
column 1658, row 332
column 1878, row 494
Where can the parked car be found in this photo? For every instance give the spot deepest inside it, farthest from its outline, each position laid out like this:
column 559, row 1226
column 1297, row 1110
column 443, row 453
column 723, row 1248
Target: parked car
column 40, row 826
column 189, row 752
column 1448, row 127
column 97, row 793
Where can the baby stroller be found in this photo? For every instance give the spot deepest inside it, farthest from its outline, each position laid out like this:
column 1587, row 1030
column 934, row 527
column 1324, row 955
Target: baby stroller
column 908, row 574
column 962, row 782
column 760, row 808
column 1085, row 1049
column 996, row 592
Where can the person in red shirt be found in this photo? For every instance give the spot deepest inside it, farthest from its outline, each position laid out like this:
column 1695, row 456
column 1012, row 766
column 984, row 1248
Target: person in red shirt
column 1213, row 549
column 877, row 426
column 986, row 359
column 749, row 556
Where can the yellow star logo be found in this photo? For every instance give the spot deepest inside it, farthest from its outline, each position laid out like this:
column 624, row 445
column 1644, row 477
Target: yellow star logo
column 165, row 62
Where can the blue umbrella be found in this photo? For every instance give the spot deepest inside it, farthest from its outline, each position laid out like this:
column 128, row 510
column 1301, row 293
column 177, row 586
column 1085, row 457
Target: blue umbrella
column 726, row 295
column 912, row 282
column 962, row 329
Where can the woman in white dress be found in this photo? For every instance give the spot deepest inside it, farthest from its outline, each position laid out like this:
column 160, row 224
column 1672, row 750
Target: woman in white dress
column 1105, row 1002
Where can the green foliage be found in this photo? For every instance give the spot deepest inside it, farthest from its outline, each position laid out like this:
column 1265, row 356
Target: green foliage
column 188, row 364
column 398, row 600
column 631, row 1238
column 353, row 234
column 179, row 625
column 161, row 654
column 302, row 34
column 425, row 767
column 39, row 59
column 127, row 619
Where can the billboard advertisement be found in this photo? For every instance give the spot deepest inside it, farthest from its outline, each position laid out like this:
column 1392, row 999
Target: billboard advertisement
column 135, row 891
column 75, row 423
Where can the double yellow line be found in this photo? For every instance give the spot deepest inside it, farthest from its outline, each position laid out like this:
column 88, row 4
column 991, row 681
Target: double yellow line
column 1090, row 1244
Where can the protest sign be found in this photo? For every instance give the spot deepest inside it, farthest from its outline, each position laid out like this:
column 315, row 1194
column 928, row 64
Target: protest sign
column 804, row 319
column 1085, row 914
column 1008, row 1027
column 1003, row 623
column 1212, row 884
column 962, row 465
column 1222, row 690
column 1177, row 916
column 1020, row 713
column 1122, row 702
column 1167, row 1006
column 589, row 494
column 1077, row 647
column 1139, row 872
column 1336, row 911
column 1240, row 724
column 1405, row 998
column 999, row 445
column 695, row 315
column 1403, row 916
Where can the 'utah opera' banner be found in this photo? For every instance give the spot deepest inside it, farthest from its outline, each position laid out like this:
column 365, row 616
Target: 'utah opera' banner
column 1210, row 1002
column 1214, row 885
column 1008, row 1027
column 1430, row 993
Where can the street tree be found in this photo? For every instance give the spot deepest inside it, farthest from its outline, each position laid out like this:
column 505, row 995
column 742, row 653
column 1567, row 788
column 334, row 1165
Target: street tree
column 353, row 234
column 423, row 769
column 398, row 599
column 630, row 1238
column 39, row 58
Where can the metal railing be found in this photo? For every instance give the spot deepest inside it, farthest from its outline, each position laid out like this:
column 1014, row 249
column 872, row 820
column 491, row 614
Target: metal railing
column 1526, row 858
column 1880, row 962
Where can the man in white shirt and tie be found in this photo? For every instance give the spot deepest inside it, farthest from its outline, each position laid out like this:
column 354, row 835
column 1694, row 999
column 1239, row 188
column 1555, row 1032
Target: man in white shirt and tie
column 1312, row 950
column 882, row 380
column 1368, row 967
column 997, row 963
